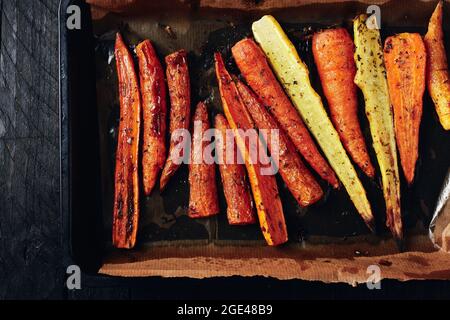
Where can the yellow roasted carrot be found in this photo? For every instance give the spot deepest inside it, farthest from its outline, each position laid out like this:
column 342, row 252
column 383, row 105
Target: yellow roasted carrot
column 438, row 78
column 371, row 79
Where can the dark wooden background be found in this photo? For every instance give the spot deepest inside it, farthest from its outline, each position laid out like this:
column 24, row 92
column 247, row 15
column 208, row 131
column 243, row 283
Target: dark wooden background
column 31, row 250
column 30, row 224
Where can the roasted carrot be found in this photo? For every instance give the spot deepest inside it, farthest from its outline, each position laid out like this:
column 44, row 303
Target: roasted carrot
column 297, row 177
column 405, row 59
column 203, row 200
column 333, row 52
column 294, row 76
column 438, row 78
column 371, row 79
column 240, row 210
column 256, row 70
column 264, row 187
column 126, row 196
column 153, row 91
column 178, row 81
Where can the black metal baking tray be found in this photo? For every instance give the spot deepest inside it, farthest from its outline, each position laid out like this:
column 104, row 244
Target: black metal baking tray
column 81, row 196
column 88, row 119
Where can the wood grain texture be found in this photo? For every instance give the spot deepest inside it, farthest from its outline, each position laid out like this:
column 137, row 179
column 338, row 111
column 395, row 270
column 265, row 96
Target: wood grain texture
column 30, row 226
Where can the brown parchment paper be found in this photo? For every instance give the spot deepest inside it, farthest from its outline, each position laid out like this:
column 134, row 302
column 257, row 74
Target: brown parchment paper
column 402, row 9
column 330, row 264
column 343, row 261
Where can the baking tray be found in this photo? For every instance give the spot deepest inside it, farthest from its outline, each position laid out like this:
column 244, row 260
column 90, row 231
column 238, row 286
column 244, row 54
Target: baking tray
column 88, row 117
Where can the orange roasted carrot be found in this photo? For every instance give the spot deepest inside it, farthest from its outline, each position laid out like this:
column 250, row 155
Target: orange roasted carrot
column 153, row 91
column 178, row 81
column 126, row 195
column 256, row 70
column 203, row 200
column 334, row 51
column 240, row 210
column 438, row 77
column 405, row 59
column 264, row 187
column 297, row 177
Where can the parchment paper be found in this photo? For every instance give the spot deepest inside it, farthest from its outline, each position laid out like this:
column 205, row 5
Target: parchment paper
column 210, row 248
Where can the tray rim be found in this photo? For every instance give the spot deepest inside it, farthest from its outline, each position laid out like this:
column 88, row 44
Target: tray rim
column 64, row 132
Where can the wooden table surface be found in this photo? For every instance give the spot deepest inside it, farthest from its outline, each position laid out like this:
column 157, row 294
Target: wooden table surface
column 31, row 252
column 30, row 237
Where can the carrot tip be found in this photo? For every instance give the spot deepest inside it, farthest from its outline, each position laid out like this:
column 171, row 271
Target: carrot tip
column 371, row 225
column 400, row 244
column 163, row 185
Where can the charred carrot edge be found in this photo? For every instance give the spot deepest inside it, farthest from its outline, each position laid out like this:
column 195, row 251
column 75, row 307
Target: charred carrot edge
column 126, row 196
column 297, row 177
column 153, row 91
column 371, row 79
column 264, row 187
column 405, row 59
column 438, row 78
column 253, row 65
column 178, row 81
column 203, row 200
column 240, row 209
column 333, row 51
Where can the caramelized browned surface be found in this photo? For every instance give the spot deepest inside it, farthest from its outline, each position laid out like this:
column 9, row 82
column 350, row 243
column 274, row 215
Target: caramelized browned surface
column 126, row 196
column 153, row 92
column 179, row 84
column 438, row 78
column 203, row 199
column 405, row 59
column 297, row 177
column 240, row 210
column 264, row 187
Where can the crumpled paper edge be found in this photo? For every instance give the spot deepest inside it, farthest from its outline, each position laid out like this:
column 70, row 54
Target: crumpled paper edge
column 313, row 263
column 439, row 212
